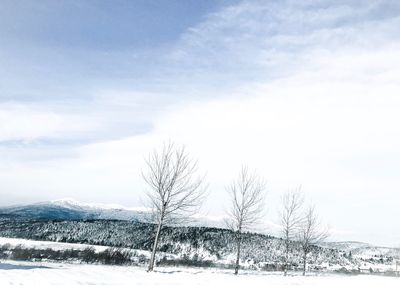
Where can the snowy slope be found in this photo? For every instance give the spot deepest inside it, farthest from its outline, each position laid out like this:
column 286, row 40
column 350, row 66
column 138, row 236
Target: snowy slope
column 346, row 245
column 363, row 250
column 62, row 246
column 26, row 243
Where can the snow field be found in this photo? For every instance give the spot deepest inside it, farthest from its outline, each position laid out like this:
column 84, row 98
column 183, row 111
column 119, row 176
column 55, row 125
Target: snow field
column 27, row 273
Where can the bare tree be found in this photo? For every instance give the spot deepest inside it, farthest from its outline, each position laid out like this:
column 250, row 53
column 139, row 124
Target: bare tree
column 175, row 191
column 310, row 234
column 247, row 201
column 290, row 219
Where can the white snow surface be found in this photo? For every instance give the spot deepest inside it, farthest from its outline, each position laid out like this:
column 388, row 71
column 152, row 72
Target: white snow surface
column 53, row 273
column 18, row 272
column 26, row 243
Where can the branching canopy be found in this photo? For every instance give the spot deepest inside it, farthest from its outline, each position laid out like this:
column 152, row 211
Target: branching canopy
column 247, row 201
column 175, row 191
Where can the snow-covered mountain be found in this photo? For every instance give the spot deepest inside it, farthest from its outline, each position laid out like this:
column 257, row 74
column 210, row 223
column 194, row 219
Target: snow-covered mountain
column 69, row 209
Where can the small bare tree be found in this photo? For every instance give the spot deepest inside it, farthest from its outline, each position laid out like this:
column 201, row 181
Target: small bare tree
column 247, row 202
column 290, row 219
column 175, row 191
column 310, row 234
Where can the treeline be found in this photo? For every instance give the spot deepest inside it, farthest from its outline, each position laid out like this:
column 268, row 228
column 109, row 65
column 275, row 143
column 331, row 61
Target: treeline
column 189, row 245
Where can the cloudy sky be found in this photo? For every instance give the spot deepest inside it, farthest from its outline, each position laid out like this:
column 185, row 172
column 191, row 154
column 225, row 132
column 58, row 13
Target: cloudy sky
column 306, row 92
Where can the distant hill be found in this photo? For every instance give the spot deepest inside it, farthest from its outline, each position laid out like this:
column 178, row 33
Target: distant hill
column 363, row 250
column 68, row 209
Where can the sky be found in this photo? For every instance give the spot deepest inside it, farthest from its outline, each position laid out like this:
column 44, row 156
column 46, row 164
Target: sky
column 304, row 92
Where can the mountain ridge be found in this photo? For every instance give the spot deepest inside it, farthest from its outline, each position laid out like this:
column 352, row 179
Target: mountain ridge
column 70, row 209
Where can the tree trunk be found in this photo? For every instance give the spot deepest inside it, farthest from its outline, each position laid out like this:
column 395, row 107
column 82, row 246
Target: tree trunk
column 304, row 263
column 239, row 241
column 286, row 258
column 153, row 253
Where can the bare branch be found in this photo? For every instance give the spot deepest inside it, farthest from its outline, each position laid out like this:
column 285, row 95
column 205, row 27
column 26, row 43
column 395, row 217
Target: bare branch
column 290, row 220
column 311, row 233
column 175, row 191
column 247, row 195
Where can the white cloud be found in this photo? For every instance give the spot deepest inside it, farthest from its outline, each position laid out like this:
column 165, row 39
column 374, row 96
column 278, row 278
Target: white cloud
column 22, row 123
column 27, row 122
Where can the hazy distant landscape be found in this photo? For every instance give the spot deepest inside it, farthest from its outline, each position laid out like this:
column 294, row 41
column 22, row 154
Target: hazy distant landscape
column 199, row 142
column 73, row 232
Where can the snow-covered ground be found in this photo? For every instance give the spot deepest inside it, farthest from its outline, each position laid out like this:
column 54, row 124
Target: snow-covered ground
column 47, row 244
column 364, row 266
column 26, row 243
column 53, row 273
column 18, row 272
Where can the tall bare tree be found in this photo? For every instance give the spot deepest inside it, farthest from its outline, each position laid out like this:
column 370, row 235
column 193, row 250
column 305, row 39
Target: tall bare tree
column 290, row 219
column 175, row 190
column 310, row 234
column 247, row 195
